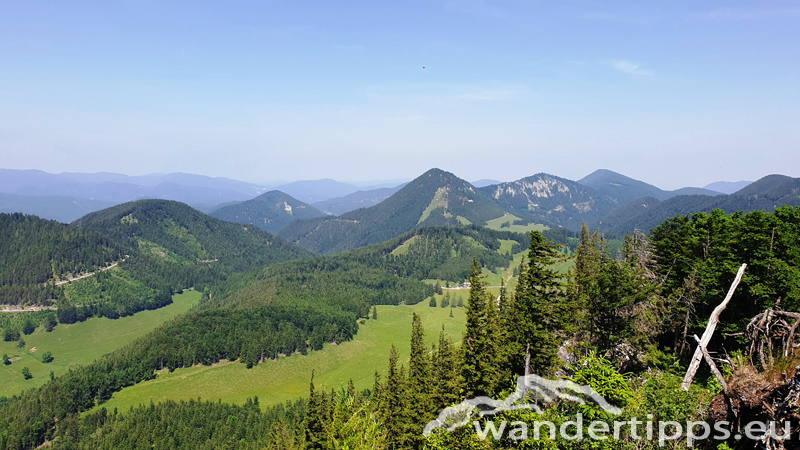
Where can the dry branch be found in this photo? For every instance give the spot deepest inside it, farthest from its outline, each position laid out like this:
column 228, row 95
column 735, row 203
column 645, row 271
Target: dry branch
column 712, row 325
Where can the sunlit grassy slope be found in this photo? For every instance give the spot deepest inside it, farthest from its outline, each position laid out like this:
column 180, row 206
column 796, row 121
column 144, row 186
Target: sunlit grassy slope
column 81, row 343
column 495, row 224
column 288, row 378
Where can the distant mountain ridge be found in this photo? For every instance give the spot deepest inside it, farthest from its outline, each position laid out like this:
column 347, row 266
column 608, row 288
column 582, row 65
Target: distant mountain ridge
column 311, row 191
column 435, row 198
column 551, row 200
column 727, row 187
column 359, row 199
column 94, row 191
column 62, row 209
column 270, row 211
column 625, row 189
column 765, row 194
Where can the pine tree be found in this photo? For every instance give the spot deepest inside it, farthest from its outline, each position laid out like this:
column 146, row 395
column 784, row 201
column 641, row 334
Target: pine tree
column 479, row 351
column 538, row 313
column 446, row 373
column 419, row 408
column 314, row 427
column 374, row 313
column 393, row 403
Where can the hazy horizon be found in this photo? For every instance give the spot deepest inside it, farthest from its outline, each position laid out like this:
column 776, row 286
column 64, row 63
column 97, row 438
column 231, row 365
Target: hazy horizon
column 674, row 94
column 373, row 183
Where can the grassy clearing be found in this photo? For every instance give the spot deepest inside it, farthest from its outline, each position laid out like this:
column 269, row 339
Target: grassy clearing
column 405, row 246
column 495, row 224
column 287, row 378
column 81, row 343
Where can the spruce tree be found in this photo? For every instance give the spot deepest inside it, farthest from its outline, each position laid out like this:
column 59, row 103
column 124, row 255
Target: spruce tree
column 420, row 409
column 538, row 315
column 314, row 428
column 479, row 344
column 374, row 313
column 432, row 303
column 446, row 374
column 393, row 403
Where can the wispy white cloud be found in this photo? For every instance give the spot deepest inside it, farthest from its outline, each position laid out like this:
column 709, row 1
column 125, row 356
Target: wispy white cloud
column 630, row 67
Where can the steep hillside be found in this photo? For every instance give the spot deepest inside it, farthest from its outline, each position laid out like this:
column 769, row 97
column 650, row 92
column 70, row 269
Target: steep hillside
column 35, row 253
column 551, row 200
column 436, row 198
column 168, row 246
column 625, row 189
column 765, row 194
column 270, row 211
column 176, row 232
column 358, row 199
column 150, row 248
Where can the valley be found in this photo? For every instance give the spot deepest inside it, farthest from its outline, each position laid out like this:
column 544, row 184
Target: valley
column 287, row 378
column 258, row 312
column 74, row 345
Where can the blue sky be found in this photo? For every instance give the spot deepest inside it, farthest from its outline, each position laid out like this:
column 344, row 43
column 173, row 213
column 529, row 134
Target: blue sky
column 673, row 93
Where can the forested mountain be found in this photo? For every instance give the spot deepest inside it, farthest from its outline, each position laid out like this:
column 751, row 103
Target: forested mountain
column 160, row 246
column 765, row 194
column 625, row 189
column 551, row 200
column 35, row 253
column 358, row 199
column 175, row 231
column 269, row 211
column 433, row 199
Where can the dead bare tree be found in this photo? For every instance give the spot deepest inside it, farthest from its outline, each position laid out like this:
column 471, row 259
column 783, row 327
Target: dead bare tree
column 712, row 325
column 770, row 331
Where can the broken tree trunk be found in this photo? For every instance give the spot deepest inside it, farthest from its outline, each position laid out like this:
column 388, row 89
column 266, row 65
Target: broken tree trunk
column 712, row 325
column 713, row 366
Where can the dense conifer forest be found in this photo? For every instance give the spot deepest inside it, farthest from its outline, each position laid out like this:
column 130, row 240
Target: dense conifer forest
column 35, row 253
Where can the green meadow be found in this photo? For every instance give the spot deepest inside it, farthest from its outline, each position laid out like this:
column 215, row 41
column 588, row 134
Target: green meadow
column 80, row 343
column 287, row 378
column 495, row 224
